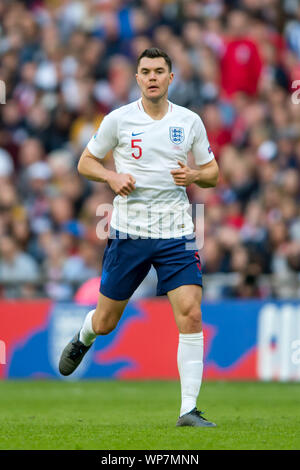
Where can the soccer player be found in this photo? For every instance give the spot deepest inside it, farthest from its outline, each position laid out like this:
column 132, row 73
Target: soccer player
column 150, row 224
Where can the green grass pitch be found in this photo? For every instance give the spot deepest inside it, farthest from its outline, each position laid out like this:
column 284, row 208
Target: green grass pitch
column 118, row 415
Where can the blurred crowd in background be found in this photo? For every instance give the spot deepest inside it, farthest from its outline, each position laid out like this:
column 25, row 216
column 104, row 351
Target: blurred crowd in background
column 65, row 64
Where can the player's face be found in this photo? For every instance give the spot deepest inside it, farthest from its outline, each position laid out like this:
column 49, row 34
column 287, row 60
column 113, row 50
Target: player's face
column 153, row 78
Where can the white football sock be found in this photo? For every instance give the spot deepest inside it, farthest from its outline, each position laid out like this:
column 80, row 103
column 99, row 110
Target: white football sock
column 87, row 335
column 190, row 367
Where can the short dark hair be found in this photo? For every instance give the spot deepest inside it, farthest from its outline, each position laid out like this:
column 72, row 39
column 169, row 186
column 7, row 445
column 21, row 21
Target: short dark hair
column 154, row 52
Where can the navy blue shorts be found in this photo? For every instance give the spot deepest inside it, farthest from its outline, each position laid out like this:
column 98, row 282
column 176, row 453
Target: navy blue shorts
column 126, row 262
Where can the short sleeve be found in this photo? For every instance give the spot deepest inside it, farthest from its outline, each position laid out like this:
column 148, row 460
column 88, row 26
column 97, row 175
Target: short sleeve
column 106, row 137
column 200, row 147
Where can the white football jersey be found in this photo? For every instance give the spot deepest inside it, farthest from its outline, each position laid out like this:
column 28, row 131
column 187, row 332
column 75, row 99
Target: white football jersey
column 149, row 149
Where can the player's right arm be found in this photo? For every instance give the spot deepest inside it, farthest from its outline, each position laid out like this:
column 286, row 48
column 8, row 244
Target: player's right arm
column 90, row 166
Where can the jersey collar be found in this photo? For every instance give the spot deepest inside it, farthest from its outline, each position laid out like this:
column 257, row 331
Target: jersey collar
column 141, row 108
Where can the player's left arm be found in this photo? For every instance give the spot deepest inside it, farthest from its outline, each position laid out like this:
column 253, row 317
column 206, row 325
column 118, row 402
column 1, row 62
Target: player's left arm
column 206, row 173
column 205, row 176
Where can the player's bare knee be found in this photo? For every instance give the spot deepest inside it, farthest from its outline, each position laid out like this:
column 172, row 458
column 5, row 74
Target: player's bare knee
column 104, row 323
column 192, row 319
column 104, row 327
column 190, row 309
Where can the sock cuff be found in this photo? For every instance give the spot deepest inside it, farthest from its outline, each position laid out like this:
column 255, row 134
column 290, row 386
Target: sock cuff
column 90, row 314
column 87, row 335
column 191, row 337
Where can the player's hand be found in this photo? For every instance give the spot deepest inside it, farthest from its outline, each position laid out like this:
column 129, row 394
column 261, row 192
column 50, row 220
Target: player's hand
column 122, row 183
column 183, row 176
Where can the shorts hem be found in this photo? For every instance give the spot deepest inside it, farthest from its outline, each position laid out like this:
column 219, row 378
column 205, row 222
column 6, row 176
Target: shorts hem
column 114, row 296
column 178, row 284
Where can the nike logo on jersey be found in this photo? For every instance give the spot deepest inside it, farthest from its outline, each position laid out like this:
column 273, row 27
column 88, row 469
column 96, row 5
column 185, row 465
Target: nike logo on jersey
column 137, row 133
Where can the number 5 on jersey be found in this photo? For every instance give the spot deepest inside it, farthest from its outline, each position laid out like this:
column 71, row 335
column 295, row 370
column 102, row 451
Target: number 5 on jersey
column 137, row 149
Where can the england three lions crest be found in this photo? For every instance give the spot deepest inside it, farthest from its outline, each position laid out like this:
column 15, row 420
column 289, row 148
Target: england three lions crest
column 177, row 135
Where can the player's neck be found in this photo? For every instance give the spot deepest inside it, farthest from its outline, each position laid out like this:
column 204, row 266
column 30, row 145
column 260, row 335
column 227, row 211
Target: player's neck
column 156, row 110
